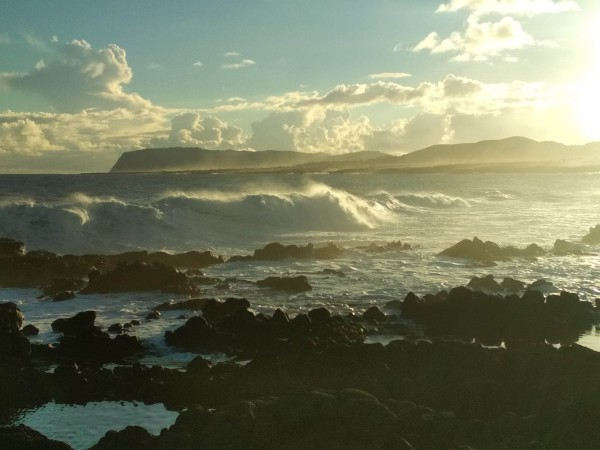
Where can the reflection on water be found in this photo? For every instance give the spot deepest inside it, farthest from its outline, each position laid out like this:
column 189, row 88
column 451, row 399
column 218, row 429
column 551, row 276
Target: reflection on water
column 81, row 426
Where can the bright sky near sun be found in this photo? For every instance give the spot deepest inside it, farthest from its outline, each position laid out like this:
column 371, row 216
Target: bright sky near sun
column 83, row 81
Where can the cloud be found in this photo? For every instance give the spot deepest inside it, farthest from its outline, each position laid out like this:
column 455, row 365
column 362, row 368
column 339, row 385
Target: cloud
column 480, row 41
column 338, row 132
column 384, row 75
column 240, row 65
column 230, row 54
column 198, row 64
column 77, row 77
column 24, row 136
column 75, row 142
column 191, row 130
column 510, row 7
column 155, row 66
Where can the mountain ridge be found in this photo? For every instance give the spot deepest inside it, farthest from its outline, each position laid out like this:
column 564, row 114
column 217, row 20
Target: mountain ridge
column 488, row 154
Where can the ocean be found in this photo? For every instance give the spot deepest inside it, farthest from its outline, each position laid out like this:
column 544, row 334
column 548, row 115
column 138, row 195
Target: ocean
column 233, row 214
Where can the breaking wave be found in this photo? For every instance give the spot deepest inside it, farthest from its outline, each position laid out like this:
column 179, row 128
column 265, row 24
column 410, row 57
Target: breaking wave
column 179, row 220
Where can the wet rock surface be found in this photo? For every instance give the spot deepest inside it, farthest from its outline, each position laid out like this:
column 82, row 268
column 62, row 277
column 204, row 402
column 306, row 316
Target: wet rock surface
column 57, row 273
column 130, row 277
column 488, row 251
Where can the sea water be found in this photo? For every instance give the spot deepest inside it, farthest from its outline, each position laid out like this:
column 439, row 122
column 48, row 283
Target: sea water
column 233, row 214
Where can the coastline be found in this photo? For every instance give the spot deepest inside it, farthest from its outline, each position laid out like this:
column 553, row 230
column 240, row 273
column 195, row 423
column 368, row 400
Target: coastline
column 464, row 368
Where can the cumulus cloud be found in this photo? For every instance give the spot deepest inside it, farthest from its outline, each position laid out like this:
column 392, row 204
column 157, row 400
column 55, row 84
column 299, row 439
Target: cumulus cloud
column 191, row 130
column 198, row 64
column 388, row 75
column 77, row 77
column 510, row 7
column 25, row 136
column 480, row 41
column 39, row 140
column 338, row 132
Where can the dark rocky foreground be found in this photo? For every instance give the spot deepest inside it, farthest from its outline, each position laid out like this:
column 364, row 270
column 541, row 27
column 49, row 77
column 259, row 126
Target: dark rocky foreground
column 313, row 383
column 472, row 367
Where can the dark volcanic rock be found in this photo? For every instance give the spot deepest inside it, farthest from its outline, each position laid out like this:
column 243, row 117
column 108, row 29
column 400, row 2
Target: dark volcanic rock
column 488, row 251
column 193, row 259
column 196, row 333
column 11, row 318
column 215, row 311
column 562, row 247
column 128, row 277
column 374, row 314
column 62, row 296
column 10, row 248
column 390, row 246
column 21, row 437
column 63, row 285
column 291, row 284
column 130, row 438
column 486, row 283
column 593, row 236
column 14, row 346
column 492, row 318
column 193, row 304
column 275, row 251
column 83, row 340
column 30, row 330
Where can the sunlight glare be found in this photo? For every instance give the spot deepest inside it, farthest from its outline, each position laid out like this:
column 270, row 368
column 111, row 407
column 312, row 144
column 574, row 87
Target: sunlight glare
column 587, row 100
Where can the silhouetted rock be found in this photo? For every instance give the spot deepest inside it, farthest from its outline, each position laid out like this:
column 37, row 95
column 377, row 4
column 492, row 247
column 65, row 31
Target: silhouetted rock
column 486, row 283
column 63, row 285
column 390, row 246
column 30, row 330
column 275, row 251
column 562, row 247
column 374, row 314
column 193, row 304
column 130, row 438
column 488, row 251
column 593, row 236
column 291, row 284
column 11, row 318
column 64, row 295
column 128, row 277
column 215, row 311
column 10, row 248
column 21, row 437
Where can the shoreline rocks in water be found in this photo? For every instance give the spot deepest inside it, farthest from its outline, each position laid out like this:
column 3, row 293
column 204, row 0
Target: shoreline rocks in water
column 57, row 273
column 312, row 382
column 488, row 251
column 138, row 276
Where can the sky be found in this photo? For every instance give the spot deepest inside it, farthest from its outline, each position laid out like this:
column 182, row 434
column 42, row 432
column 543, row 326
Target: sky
column 83, row 81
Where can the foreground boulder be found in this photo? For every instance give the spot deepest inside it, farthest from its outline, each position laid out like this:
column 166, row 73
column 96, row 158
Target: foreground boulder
column 84, row 341
column 290, row 284
column 129, row 277
column 276, row 252
column 21, row 437
column 488, row 251
column 14, row 346
column 492, row 318
column 10, row 248
column 231, row 328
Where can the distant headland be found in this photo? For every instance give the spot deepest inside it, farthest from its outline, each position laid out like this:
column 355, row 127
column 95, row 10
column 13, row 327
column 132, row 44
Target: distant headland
column 510, row 154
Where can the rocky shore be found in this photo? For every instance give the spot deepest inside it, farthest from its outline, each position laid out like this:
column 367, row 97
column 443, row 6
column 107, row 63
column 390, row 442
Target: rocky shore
column 490, row 365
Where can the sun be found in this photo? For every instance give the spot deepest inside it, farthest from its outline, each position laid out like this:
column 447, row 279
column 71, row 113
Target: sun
column 586, row 100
